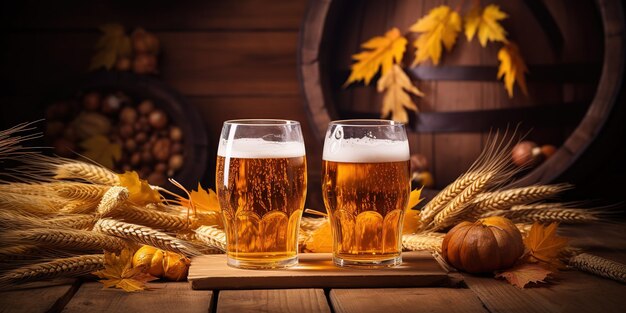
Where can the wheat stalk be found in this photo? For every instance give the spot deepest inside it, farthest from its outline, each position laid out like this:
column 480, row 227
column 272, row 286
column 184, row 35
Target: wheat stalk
column 79, row 207
column 32, row 204
column 423, row 241
column 80, row 191
column 529, row 215
column 434, row 206
column 212, row 236
column 65, row 267
column 30, row 189
column 22, row 252
column 459, row 205
column 112, row 199
column 65, row 239
column 150, row 218
column 505, row 199
column 599, row 266
column 17, row 220
column 145, row 235
column 87, row 172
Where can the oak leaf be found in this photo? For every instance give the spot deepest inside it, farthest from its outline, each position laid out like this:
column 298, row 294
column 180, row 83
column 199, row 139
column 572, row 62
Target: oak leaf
column 440, row 26
column 99, row 149
column 118, row 272
column 412, row 217
column 397, row 86
column 140, row 192
column 381, row 52
column 202, row 200
column 112, row 44
column 321, row 240
column 544, row 245
column 524, row 274
column 512, row 68
column 486, row 23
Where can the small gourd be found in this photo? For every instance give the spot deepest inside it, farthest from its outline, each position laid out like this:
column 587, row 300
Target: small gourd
column 487, row 245
column 163, row 264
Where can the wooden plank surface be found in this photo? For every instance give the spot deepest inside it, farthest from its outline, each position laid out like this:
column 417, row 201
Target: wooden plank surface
column 316, row 270
column 404, row 300
column 277, row 300
column 164, row 297
column 38, row 297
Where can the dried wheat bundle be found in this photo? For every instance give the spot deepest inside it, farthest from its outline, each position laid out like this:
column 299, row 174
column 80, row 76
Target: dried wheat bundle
column 22, row 252
column 599, row 266
column 505, row 199
column 65, row 267
column 437, row 204
column 150, row 218
column 561, row 215
column 113, row 199
column 20, row 220
column 31, row 204
column 423, row 241
column 64, row 239
column 27, row 189
column 145, row 235
column 212, row 236
column 79, row 191
column 309, row 224
column 85, row 171
column 79, row 207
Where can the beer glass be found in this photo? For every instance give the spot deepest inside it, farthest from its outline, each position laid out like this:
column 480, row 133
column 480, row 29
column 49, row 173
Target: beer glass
column 261, row 185
column 366, row 186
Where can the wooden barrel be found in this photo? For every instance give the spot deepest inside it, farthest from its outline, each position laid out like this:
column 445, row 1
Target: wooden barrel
column 574, row 51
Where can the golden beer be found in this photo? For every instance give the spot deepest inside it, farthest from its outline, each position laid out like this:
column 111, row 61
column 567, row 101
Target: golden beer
column 262, row 199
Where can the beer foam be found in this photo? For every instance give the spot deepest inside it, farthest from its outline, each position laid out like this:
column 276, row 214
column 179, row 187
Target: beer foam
column 250, row 148
column 366, row 150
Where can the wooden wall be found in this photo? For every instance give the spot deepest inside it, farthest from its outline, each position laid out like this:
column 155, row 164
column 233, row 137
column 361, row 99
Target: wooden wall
column 230, row 59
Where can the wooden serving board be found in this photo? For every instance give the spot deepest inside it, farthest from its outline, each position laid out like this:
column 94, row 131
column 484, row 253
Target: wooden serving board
column 316, row 270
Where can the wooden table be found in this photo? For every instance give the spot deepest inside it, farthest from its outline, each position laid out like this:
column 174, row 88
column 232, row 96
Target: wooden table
column 572, row 291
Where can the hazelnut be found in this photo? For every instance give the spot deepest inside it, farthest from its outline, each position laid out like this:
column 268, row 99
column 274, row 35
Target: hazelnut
column 141, row 137
column 111, row 104
column 91, row 101
column 135, row 159
column 126, row 131
column 144, row 64
column 176, row 161
column 128, row 115
column 145, row 107
column 144, row 42
column 176, row 134
column 160, row 168
column 157, row 119
column 525, row 153
column 123, row 63
column 130, row 144
column 161, row 149
column 146, row 157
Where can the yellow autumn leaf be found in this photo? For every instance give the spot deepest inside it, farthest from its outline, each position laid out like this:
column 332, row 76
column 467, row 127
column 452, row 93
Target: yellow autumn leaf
column 113, row 43
column 440, row 26
column 486, row 23
column 512, row 68
column 321, row 240
column 101, row 150
column 118, row 272
column 397, row 86
column 380, row 52
column 140, row 192
column 412, row 217
column 544, row 245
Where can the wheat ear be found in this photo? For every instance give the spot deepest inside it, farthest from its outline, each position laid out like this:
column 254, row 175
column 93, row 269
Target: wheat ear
column 65, row 239
column 145, row 235
column 22, row 252
column 437, row 204
column 599, row 266
column 562, row 215
column 423, row 241
column 112, row 199
column 31, row 204
column 505, row 199
column 65, row 267
column 87, row 172
column 80, row 191
column 212, row 236
column 20, row 220
column 150, row 218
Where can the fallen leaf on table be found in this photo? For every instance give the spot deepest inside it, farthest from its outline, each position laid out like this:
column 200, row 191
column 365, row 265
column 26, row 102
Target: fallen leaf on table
column 440, row 26
column 321, row 240
column 544, row 245
column 397, row 86
column 113, row 43
column 485, row 23
column 118, row 272
column 412, row 217
column 512, row 68
column 381, row 52
column 140, row 192
column 524, row 274
column 101, row 150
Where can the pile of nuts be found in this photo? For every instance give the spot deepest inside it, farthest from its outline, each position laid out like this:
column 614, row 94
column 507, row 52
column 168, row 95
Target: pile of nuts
column 145, row 49
column 151, row 144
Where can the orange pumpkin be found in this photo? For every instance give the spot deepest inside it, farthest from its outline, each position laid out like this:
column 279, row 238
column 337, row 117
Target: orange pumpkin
column 487, row 245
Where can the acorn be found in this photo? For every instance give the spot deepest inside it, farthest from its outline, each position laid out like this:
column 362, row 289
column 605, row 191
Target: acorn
column 525, row 153
column 161, row 149
column 128, row 115
column 176, row 162
column 144, row 64
column 157, row 119
column 176, row 134
column 145, row 107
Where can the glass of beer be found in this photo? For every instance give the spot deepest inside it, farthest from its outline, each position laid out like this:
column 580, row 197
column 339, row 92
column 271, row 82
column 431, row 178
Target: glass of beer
column 366, row 186
column 261, row 184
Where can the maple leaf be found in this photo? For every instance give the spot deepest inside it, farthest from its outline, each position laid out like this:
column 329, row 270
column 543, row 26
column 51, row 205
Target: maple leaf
column 440, row 26
column 202, row 200
column 113, row 43
column 140, row 192
column 321, row 240
column 525, row 273
column 485, row 22
column 412, row 217
column 397, row 86
column 544, row 245
column 512, row 68
column 99, row 149
column 119, row 273
column 382, row 52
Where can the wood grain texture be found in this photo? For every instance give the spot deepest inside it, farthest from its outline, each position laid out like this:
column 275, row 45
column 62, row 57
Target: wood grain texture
column 279, row 300
column 163, row 297
column 405, row 300
column 38, row 297
column 316, row 270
